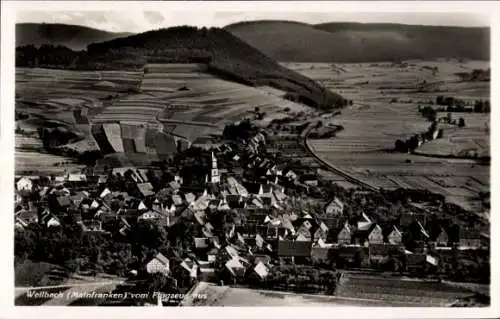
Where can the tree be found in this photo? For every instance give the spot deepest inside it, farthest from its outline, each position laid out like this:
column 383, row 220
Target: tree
column 461, row 122
column 440, row 133
column 401, row 146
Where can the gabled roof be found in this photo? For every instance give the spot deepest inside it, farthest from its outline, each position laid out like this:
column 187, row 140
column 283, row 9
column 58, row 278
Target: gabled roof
column 64, row 201
column 323, row 227
column 142, row 206
column 422, row 230
column 396, row 231
column 77, row 178
column 146, row 189
column 261, row 270
column 177, row 199
column 190, row 197
column 164, row 260
column 232, row 251
column 202, row 242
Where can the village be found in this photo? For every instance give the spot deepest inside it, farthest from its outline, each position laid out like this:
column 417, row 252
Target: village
column 235, row 214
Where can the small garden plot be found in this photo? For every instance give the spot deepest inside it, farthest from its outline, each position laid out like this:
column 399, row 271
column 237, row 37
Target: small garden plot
column 113, row 133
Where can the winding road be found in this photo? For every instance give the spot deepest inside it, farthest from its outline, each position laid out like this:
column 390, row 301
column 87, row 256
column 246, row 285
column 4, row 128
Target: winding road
column 305, row 143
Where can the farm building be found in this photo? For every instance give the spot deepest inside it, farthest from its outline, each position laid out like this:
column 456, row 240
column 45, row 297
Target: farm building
column 335, row 207
column 159, row 264
column 344, row 235
column 24, row 184
column 395, row 236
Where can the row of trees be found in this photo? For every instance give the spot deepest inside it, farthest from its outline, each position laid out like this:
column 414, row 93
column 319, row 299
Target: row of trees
column 453, row 104
column 413, row 142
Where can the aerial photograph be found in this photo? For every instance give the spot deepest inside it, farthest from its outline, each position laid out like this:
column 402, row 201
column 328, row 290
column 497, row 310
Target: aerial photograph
column 258, row 159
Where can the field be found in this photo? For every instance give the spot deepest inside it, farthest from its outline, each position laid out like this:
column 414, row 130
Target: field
column 469, row 141
column 385, row 108
column 142, row 115
column 358, row 291
column 397, row 290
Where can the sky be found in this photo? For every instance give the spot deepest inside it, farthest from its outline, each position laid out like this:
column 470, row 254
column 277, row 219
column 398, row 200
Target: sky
column 140, row 21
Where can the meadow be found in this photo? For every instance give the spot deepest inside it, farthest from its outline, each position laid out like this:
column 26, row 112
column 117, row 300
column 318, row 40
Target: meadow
column 386, row 98
column 142, row 114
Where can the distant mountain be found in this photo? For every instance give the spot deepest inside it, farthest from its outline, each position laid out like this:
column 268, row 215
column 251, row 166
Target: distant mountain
column 358, row 42
column 72, row 36
column 226, row 56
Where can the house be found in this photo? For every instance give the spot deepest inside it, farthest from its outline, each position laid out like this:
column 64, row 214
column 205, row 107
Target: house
column 212, row 254
column 146, row 189
column 201, row 243
column 25, row 217
column 294, row 249
column 178, row 179
column 344, row 236
column 335, row 208
column 124, row 226
column 106, row 192
column 440, row 238
column 395, row 236
column 103, row 179
column 375, row 235
column 321, row 232
column 93, row 226
column 190, row 198
column 79, row 197
column 235, row 267
column 159, row 264
column 24, row 184
column 470, row 238
column 149, row 215
column 63, row 202
column 76, row 178
column 291, row 175
column 309, row 179
column 191, row 267
column 177, row 200
column 261, row 258
column 49, row 220
column 304, row 232
column 261, row 270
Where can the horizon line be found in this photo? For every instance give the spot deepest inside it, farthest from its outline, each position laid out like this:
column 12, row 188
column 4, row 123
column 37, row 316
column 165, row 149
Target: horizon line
column 257, row 21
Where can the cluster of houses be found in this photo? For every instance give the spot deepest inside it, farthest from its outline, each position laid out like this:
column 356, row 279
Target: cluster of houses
column 263, row 231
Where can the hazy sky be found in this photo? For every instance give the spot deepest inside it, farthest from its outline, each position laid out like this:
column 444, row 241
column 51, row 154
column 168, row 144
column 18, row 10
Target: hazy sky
column 139, row 21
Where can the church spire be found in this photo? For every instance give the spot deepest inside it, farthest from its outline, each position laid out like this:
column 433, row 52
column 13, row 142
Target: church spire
column 215, row 178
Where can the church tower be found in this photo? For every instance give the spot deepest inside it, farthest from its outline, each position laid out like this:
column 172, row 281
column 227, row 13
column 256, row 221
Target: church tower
column 215, row 178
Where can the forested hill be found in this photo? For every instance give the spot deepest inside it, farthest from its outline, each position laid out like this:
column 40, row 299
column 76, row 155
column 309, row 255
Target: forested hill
column 226, row 55
column 358, row 42
column 72, row 36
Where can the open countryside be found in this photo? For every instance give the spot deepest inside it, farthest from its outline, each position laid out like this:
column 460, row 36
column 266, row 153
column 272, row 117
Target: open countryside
column 236, row 166
column 387, row 98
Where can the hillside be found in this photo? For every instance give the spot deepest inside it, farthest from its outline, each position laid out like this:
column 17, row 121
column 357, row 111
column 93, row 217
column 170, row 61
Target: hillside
column 357, row 42
column 226, row 56
column 72, row 36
